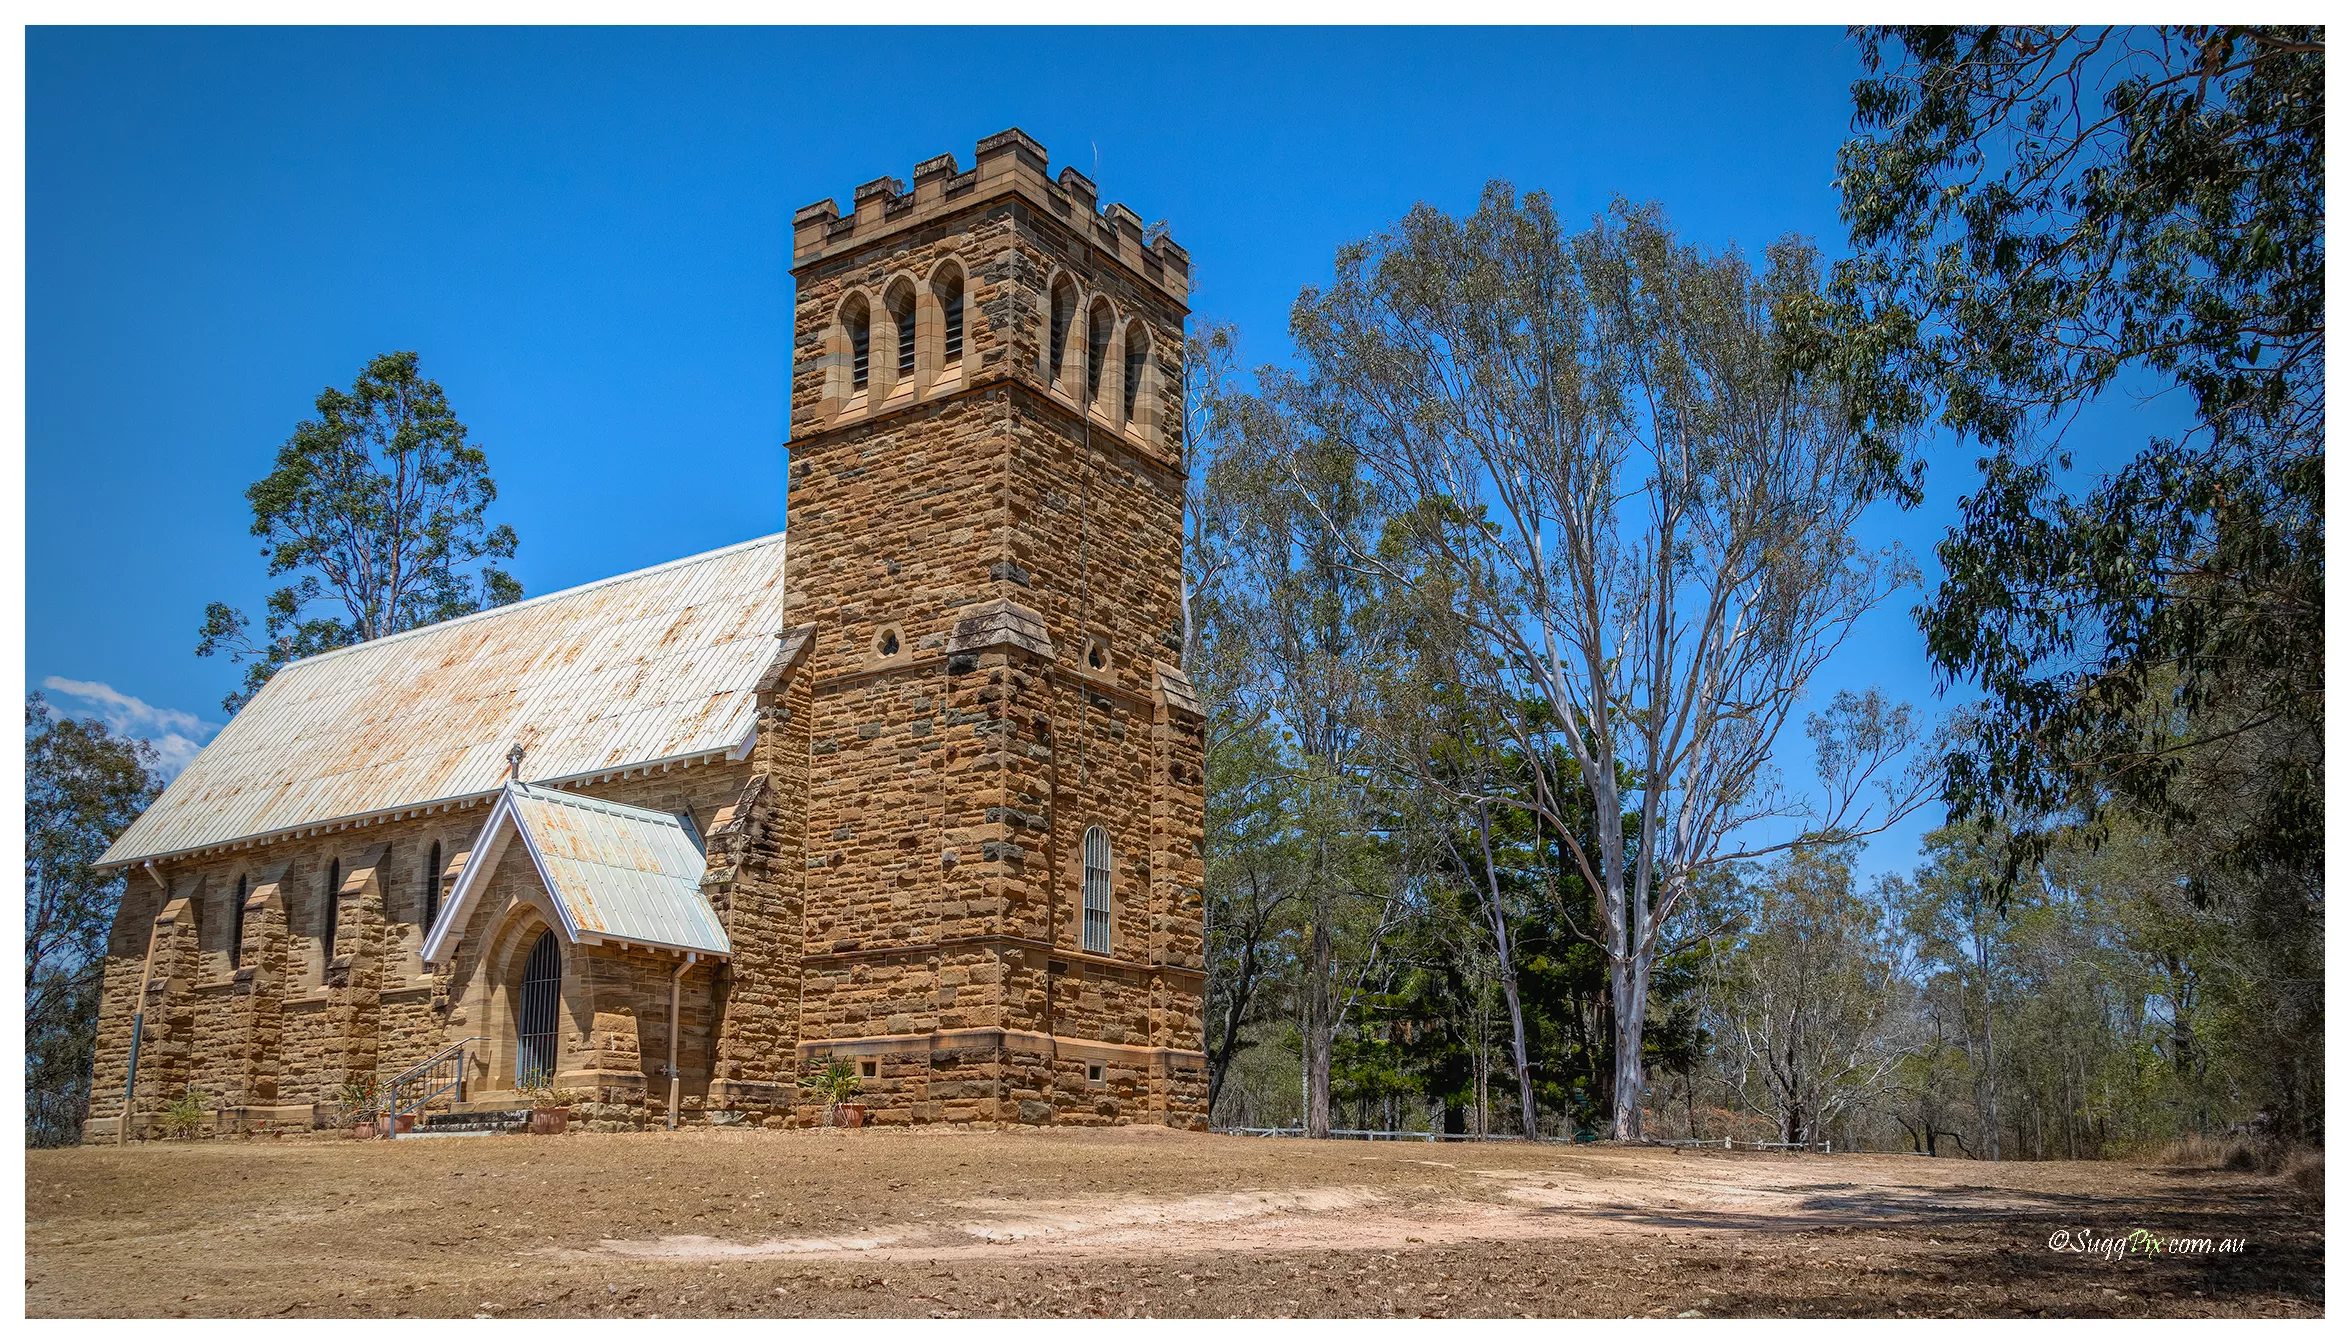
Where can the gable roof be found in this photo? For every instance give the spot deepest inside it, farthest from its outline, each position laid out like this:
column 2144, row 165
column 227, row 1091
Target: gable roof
column 617, row 873
column 658, row 665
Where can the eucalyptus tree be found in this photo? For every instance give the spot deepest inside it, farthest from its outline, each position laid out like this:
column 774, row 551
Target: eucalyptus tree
column 1596, row 453
column 1460, row 784
column 83, row 785
column 1255, row 877
column 1208, row 356
column 1815, row 1006
column 1291, row 634
column 2049, row 215
column 1952, row 910
column 377, row 509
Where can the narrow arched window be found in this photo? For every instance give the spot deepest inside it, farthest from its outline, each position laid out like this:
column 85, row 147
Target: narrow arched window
column 236, row 926
column 1064, row 313
column 1138, row 344
column 432, row 888
column 901, row 316
column 860, row 327
column 1097, row 348
column 334, row 906
column 1097, row 889
column 950, row 304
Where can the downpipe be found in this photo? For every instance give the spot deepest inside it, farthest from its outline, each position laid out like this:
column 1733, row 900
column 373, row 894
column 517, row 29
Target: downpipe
column 130, row 1082
column 676, row 983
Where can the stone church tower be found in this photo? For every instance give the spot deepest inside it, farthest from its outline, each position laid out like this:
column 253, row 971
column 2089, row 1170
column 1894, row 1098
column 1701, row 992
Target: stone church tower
column 916, row 783
column 1001, row 843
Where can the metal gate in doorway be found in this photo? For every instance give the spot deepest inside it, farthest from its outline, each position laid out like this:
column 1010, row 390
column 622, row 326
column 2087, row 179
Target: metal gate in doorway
column 542, row 995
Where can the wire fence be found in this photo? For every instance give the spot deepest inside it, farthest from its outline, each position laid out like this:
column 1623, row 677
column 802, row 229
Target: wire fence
column 1426, row 1136
column 1729, row 1144
column 1407, row 1135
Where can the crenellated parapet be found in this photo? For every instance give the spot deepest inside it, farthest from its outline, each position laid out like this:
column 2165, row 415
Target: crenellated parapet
column 1008, row 163
column 975, row 280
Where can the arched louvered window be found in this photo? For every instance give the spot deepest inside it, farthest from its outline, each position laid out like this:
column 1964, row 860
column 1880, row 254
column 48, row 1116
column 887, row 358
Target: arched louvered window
column 1138, row 345
column 1064, row 313
column 860, row 328
column 432, row 888
column 236, row 926
column 334, row 907
column 950, row 303
column 1097, row 348
column 536, row 1011
column 1097, row 889
column 901, row 316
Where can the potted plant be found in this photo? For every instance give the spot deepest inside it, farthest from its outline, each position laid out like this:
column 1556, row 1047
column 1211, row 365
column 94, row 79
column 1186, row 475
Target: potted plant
column 835, row 1081
column 550, row 1106
column 356, row 1106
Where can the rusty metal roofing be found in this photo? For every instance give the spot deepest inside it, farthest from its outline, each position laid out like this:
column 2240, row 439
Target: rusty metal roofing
column 617, row 873
column 659, row 665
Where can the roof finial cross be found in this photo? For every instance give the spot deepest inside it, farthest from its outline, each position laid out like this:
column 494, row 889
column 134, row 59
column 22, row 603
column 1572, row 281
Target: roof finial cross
column 514, row 761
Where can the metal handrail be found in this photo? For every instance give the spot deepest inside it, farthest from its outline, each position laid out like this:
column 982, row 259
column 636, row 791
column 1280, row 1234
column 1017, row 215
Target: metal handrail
column 431, row 1079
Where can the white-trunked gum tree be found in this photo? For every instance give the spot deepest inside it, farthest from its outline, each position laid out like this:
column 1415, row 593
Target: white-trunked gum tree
column 1599, row 469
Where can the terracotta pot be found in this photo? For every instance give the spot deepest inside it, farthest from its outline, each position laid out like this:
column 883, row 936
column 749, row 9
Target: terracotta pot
column 365, row 1129
column 849, row 1115
column 549, row 1119
column 406, row 1124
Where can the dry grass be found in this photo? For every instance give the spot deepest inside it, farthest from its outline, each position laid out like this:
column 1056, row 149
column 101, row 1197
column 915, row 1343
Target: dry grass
column 1132, row 1222
column 2306, row 1169
column 2204, row 1152
column 2303, row 1167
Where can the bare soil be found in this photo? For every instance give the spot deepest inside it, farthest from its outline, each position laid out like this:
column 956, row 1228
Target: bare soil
column 1129, row 1222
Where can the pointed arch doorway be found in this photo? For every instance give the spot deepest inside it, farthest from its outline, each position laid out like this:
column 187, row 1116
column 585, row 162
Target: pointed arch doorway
column 535, row 1020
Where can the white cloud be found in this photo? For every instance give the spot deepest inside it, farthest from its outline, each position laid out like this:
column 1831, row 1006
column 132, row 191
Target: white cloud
column 176, row 734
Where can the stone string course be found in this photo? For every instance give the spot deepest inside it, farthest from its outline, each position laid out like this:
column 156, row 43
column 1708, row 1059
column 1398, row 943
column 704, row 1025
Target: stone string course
column 898, row 860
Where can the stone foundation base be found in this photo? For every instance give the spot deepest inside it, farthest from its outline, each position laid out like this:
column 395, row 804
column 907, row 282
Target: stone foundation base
column 969, row 1077
column 295, row 1119
column 227, row 1122
column 1017, row 1077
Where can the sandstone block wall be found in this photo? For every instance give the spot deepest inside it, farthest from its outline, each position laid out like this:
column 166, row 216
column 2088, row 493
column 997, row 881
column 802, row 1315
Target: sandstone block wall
column 990, row 552
column 267, row 1028
column 984, row 608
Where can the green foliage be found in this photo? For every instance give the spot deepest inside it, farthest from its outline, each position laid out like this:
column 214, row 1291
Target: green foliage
column 1581, row 477
column 357, row 1102
column 833, row 1078
column 2044, row 215
column 83, row 785
column 1810, row 997
column 187, row 1115
column 2098, row 1007
column 376, row 505
column 1501, row 598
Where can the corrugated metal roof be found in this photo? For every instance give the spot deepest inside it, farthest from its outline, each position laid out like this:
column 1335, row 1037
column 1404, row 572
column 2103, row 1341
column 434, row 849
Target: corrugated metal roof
column 621, row 872
column 616, row 873
column 657, row 665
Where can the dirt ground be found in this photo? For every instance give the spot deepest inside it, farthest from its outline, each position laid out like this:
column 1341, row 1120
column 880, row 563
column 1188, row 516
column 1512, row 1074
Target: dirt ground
column 1129, row 1222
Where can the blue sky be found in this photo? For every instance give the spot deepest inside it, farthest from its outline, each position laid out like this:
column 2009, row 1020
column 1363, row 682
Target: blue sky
column 585, row 233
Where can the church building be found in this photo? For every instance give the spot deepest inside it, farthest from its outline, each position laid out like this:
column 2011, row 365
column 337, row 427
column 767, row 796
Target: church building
column 915, row 783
